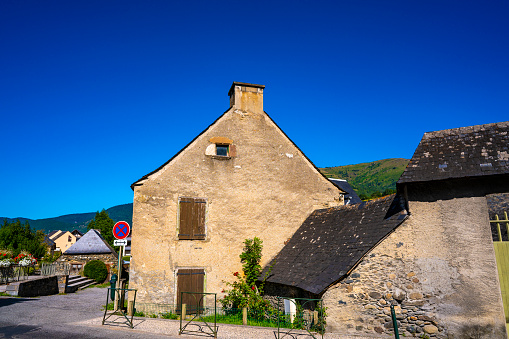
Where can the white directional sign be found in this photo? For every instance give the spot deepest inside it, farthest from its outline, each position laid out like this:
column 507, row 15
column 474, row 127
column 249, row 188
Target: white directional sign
column 122, row 242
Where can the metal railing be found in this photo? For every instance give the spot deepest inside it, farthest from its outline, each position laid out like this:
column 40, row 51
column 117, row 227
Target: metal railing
column 48, row 269
column 197, row 313
column 14, row 273
column 497, row 222
column 121, row 306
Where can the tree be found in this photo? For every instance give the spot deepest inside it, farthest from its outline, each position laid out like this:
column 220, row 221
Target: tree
column 251, row 259
column 104, row 224
column 18, row 237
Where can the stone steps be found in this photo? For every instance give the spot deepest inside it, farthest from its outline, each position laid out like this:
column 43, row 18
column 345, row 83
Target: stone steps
column 12, row 288
column 76, row 282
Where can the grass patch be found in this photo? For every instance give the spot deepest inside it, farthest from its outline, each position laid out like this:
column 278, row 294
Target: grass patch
column 111, row 306
column 103, row 285
column 169, row 315
column 237, row 320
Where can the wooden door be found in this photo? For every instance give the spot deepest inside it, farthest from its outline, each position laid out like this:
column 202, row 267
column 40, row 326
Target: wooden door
column 192, row 281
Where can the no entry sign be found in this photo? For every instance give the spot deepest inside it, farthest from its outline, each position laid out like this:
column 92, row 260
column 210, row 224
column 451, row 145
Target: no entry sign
column 121, row 230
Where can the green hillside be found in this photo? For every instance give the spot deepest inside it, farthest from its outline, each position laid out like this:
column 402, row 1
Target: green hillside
column 77, row 221
column 370, row 177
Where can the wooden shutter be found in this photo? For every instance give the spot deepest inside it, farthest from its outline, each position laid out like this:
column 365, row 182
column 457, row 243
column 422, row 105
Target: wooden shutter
column 186, row 221
column 199, row 219
column 192, row 218
column 233, row 151
column 190, row 280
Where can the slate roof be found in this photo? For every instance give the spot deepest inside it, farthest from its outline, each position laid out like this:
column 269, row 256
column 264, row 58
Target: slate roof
column 473, row 151
column 77, row 233
column 55, row 234
column 91, row 243
column 48, row 241
column 331, row 242
column 350, row 197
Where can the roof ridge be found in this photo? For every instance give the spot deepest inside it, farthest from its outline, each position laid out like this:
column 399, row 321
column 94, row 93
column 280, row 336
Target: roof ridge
column 464, row 129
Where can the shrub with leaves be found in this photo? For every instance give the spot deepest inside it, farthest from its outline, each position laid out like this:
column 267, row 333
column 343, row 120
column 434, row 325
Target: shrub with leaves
column 245, row 292
column 96, row 270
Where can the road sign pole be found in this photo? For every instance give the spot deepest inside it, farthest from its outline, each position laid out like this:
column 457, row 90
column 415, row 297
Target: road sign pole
column 119, row 267
column 121, row 231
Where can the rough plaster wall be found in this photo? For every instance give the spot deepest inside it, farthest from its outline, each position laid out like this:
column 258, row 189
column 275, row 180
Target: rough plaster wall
column 267, row 191
column 439, row 264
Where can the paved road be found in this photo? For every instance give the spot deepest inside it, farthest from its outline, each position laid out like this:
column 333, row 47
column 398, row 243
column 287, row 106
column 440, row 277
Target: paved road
column 76, row 315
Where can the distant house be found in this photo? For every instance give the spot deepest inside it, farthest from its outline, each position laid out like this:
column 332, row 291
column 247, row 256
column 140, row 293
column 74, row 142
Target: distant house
column 77, row 234
column 91, row 246
column 63, row 240
column 427, row 250
column 51, row 245
column 350, row 197
column 241, row 178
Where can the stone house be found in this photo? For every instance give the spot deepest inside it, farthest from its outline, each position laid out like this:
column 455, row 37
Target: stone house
column 427, row 250
column 241, row 178
column 90, row 246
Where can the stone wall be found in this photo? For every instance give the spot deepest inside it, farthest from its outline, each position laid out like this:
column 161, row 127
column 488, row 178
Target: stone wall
column 109, row 259
column 266, row 190
column 38, row 287
column 438, row 269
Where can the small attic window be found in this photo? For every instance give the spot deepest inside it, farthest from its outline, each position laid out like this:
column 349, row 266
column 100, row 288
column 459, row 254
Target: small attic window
column 221, row 148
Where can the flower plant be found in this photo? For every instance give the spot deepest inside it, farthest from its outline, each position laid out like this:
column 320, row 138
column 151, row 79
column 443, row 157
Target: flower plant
column 5, row 262
column 244, row 292
column 25, row 259
column 6, row 258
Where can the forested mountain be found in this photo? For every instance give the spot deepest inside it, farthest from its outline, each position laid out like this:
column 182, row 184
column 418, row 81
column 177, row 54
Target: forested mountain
column 77, row 221
column 368, row 178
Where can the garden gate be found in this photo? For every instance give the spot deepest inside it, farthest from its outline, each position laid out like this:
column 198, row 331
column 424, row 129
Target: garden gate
column 502, row 255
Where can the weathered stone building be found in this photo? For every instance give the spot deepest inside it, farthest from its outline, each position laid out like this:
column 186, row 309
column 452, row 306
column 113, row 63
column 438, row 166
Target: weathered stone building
column 91, row 246
column 428, row 250
column 240, row 178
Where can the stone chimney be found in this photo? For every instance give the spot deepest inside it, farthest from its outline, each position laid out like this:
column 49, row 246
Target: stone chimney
column 246, row 97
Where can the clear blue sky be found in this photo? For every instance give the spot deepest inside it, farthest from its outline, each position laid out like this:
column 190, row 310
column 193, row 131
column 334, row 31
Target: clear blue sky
column 96, row 94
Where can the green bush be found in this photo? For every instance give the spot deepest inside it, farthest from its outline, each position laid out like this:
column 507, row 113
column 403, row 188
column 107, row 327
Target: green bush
column 96, row 270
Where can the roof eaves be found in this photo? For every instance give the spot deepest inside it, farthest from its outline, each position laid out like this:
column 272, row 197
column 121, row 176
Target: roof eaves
column 305, row 156
column 140, row 181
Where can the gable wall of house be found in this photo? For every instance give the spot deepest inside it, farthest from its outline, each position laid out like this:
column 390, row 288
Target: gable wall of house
column 266, row 190
column 63, row 243
column 439, row 265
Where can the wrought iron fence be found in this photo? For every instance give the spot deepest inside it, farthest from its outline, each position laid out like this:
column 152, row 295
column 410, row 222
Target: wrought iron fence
column 121, row 306
column 14, row 273
column 299, row 317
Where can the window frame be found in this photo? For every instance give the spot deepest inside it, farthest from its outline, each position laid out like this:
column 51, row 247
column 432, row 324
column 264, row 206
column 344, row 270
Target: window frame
column 227, row 146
